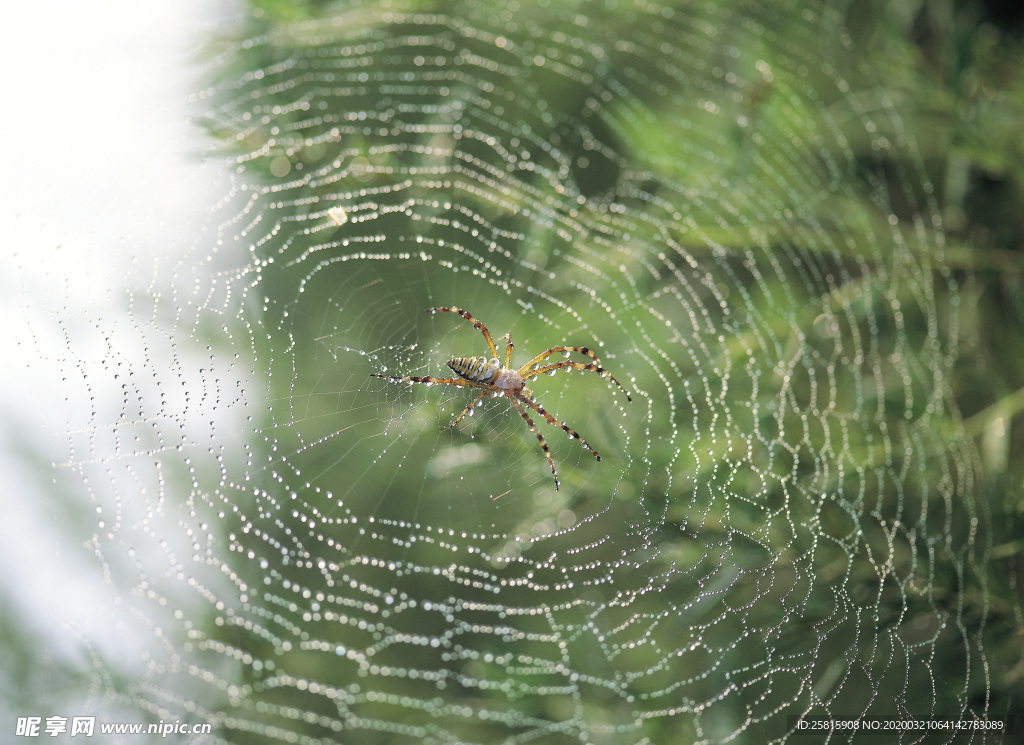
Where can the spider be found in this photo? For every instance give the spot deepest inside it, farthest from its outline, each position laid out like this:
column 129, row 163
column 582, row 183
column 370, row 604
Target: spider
column 490, row 376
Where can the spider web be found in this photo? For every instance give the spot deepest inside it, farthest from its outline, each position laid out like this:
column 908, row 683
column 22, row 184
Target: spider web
column 724, row 204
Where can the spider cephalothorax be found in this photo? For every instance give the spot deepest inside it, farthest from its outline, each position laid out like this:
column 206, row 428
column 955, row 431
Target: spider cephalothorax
column 490, row 376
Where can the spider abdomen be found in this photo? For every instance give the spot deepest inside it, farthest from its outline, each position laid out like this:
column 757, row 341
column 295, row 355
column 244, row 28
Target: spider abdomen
column 488, row 372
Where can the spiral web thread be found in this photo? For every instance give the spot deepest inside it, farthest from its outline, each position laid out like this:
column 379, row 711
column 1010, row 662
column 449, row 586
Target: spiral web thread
column 721, row 204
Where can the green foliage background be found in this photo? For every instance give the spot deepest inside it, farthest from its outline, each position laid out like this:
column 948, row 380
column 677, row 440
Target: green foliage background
column 954, row 72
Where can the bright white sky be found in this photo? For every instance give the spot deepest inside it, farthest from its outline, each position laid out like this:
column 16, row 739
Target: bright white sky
column 94, row 127
column 99, row 166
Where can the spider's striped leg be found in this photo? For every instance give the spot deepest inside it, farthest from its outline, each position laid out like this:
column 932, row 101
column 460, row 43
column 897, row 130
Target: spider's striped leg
column 476, row 324
column 468, row 409
column 427, row 379
column 548, row 352
column 508, row 349
column 526, row 373
column 533, row 428
column 551, row 420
